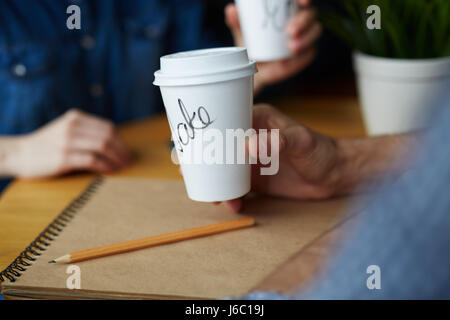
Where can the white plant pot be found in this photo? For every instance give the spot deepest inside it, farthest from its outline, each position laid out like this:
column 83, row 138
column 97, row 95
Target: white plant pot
column 399, row 95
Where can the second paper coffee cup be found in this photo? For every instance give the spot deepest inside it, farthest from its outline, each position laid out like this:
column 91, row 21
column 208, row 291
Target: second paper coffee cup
column 263, row 24
column 208, row 94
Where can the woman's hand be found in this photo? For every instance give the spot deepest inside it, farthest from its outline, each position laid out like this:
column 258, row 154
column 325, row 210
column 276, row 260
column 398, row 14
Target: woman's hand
column 75, row 141
column 303, row 30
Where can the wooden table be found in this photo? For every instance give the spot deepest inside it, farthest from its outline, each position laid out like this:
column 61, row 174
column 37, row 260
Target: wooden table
column 27, row 207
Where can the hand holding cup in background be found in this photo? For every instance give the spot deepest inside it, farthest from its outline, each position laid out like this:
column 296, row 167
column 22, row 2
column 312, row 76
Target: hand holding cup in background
column 290, row 44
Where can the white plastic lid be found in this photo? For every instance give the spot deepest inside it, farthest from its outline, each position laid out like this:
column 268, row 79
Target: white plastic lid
column 204, row 66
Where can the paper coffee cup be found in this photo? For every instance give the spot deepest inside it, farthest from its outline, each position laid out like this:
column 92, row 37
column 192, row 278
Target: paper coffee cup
column 208, row 93
column 263, row 24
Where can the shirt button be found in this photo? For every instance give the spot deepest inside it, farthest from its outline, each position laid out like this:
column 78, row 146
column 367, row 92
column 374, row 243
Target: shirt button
column 88, row 42
column 97, row 90
column 19, row 70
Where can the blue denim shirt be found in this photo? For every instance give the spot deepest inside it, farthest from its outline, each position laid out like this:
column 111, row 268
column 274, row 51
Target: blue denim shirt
column 106, row 68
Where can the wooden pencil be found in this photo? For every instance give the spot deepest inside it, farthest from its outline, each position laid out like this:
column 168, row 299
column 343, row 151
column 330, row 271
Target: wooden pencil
column 154, row 240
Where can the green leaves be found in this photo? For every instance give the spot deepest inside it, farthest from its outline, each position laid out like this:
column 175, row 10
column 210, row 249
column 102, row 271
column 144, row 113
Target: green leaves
column 410, row 29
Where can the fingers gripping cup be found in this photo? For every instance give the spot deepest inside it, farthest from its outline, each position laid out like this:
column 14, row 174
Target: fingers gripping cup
column 263, row 24
column 208, row 94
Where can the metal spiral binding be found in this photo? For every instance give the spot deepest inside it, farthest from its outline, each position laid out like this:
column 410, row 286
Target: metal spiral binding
column 42, row 241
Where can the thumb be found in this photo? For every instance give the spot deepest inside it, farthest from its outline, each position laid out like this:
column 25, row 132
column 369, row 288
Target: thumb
column 305, row 3
column 232, row 21
column 298, row 141
column 312, row 154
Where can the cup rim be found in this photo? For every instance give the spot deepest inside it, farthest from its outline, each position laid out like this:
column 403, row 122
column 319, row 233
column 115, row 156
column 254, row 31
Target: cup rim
column 244, row 68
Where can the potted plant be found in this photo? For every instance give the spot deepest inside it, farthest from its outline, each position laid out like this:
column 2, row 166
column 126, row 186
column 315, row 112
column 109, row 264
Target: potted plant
column 403, row 68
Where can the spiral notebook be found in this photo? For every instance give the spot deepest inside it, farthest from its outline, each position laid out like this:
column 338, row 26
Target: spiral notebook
column 112, row 210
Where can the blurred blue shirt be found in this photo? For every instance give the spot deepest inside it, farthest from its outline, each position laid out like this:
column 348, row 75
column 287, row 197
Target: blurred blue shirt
column 106, row 68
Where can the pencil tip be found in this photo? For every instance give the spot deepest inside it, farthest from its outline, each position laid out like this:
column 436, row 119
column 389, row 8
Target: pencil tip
column 52, row 261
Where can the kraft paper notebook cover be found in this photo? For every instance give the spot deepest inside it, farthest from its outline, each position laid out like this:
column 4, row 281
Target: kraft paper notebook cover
column 112, row 210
